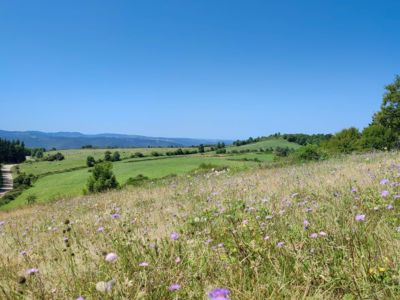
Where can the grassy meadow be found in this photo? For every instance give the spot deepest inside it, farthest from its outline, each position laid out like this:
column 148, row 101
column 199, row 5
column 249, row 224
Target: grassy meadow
column 67, row 178
column 326, row 230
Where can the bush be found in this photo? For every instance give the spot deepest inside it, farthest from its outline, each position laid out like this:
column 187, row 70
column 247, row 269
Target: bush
column 378, row 137
column 24, row 180
column 102, row 178
column 345, row 141
column 116, row 156
column 221, row 151
column 107, row 156
column 52, row 157
column 136, row 181
column 139, row 154
column 30, row 199
column 309, row 152
column 282, row 151
column 90, row 161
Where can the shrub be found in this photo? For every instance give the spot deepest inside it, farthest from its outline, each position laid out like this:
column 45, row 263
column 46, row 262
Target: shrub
column 116, row 156
column 52, row 157
column 136, row 181
column 102, row 178
column 282, row 151
column 221, row 151
column 90, row 161
column 378, row 137
column 30, row 199
column 107, row 156
column 309, row 152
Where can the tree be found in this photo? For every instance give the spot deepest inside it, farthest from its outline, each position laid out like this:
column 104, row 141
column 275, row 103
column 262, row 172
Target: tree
column 389, row 115
column 90, row 161
column 345, row 141
column 116, row 156
column 107, row 156
column 201, row 148
column 102, row 178
column 378, row 137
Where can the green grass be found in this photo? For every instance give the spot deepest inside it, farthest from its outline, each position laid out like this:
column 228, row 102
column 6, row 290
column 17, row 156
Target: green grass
column 262, row 157
column 77, row 159
column 69, row 184
column 270, row 143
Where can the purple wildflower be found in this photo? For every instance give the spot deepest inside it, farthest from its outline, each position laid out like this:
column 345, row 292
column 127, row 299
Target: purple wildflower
column 389, row 207
column 219, row 294
column 2, row 223
column 115, row 216
column 385, row 193
column 306, row 224
column 144, row 264
column 174, row 287
column 313, row 235
column 111, row 257
column 100, row 229
column 322, row 233
column 266, row 238
column 280, row 244
column 354, row 190
column 32, row 271
column 384, row 181
column 174, row 236
column 177, row 259
column 360, row 218
column 80, row 298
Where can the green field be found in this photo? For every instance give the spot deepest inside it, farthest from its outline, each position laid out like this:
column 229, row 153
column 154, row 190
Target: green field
column 67, row 178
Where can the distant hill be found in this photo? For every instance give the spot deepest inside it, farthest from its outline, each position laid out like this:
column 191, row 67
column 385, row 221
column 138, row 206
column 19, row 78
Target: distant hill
column 74, row 140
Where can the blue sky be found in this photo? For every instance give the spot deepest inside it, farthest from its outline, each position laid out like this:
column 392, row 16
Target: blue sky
column 213, row 69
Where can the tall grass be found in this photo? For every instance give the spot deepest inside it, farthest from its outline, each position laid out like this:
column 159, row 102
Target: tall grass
column 284, row 233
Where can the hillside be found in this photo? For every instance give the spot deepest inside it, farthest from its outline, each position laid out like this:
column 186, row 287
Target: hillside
column 74, row 140
column 327, row 230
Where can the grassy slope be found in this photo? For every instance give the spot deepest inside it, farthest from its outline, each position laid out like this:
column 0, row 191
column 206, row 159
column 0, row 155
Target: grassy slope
column 77, row 158
column 223, row 221
column 72, row 183
column 267, row 144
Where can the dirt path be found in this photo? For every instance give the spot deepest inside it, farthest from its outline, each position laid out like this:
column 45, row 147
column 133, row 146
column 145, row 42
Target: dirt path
column 7, row 179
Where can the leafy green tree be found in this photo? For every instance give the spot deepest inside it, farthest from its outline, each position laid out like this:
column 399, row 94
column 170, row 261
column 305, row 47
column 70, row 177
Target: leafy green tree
column 201, row 148
column 345, row 141
column 116, row 156
column 102, row 178
column 107, row 156
column 389, row 115
column 309, row 152
column 90, row 161
column 378, row 137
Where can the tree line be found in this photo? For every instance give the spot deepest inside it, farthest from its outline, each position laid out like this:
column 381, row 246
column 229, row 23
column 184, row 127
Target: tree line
column 12, row 151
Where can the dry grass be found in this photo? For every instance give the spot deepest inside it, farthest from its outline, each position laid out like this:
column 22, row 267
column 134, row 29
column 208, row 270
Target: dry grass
column 222, row 220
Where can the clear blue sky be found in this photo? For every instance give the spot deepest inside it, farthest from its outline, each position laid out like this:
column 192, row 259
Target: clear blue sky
column 213, row 69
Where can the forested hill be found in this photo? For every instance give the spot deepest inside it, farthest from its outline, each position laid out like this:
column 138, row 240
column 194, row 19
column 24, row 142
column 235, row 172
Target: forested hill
column 73, row 140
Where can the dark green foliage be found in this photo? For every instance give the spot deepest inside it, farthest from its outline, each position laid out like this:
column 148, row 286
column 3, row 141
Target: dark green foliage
column 201, row 148
column 309, row 153
column 221, row 151
column 87, row 147
column 38, row 152
column 12, row 151
column 282, row 151
column 139, row 154
column 304, row 139
column 210, row 167
column 378, row 137
column 345, row 141
column 389, row 115
column 116, row 156
column 136, row 181
column 102, row 178
column 90, row 161
column 155, row 153
column 54, row 157
column 107, row 156
column 23, row 179
column 31, row 199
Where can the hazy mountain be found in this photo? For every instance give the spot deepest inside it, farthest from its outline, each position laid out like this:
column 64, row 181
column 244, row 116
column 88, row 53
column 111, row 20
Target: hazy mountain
column 71, row 140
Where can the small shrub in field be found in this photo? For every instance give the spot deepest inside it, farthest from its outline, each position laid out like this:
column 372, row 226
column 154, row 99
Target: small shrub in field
column 90, row 161
column 309, row 152
column 30, row 199
column 102, row 178
column 116, row 156
column 107, row 156
column 136, row 181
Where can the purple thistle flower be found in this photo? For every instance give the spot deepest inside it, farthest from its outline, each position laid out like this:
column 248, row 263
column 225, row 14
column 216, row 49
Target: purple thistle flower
column 2, row 223
column 322, row 233
column 396, row 197
column 80, row 298
column 389, row 207
column 111, row 257
column 177, row 259
column 144, row 264
column 313, row 235
column 354, row 190
column 384, row 181
column 266, row 238
column 32, row 271
column 174, row 236
column 280, row 244
column 23, row 253
column 360, row 218
column 115, row 216
column 100, row 229
column 174, row 287
column 385, row 193
column 306, row 224
column 219, row 294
